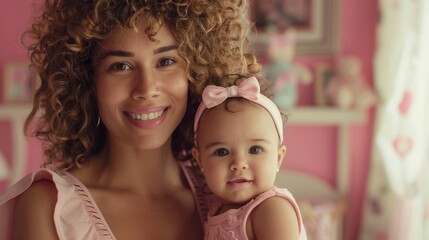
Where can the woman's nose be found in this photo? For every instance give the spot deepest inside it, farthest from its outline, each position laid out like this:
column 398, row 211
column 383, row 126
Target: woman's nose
column 146, row 85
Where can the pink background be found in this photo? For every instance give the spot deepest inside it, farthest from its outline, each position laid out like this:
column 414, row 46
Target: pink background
column 310, row 149
column 15, row 18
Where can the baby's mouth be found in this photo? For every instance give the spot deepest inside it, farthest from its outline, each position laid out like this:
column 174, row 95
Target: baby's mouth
column 238, row 181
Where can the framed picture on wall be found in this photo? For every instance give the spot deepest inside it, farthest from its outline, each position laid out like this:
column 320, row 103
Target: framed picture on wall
column 323, row 74
column 19, row 82
column 316, row 22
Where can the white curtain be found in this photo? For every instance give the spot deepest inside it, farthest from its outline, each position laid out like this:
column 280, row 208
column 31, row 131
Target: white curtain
column 397, row 199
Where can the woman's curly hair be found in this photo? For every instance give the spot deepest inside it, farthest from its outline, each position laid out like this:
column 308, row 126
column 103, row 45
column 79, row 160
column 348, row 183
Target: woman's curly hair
column 63, row 40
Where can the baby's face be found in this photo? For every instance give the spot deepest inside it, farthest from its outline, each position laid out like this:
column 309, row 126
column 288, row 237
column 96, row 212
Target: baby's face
column 239, row 152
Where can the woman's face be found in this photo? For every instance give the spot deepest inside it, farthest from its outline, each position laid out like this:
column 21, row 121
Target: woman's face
column 141, row 87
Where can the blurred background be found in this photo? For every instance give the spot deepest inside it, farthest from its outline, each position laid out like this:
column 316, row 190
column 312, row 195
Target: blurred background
column 353, row 76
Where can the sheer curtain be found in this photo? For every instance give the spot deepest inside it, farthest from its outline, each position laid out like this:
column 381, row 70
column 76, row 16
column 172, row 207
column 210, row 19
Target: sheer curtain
column 397, row 199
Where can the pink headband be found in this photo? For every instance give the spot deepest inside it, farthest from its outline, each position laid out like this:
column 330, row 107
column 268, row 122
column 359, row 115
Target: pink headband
column 248, row 89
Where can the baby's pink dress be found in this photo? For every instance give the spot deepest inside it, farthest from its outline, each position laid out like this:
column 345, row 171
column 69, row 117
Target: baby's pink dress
column 231, row 225
column 76, row 215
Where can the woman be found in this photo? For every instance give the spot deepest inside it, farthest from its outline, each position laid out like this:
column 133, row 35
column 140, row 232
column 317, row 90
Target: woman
column 119, row 84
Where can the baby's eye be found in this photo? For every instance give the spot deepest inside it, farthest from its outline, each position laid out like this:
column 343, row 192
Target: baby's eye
column 166, row 62
column 120, row 66
column 221, row 152
column 255, row 150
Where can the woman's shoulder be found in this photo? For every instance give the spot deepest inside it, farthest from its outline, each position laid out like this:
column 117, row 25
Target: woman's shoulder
column 34, row 210
column 40, row 181
column 56, row 199
column 40, row 193
column 39, row 189
column 30, row 203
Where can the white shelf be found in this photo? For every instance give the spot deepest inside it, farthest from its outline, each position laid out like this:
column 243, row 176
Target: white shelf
column 13, row 111
column 324, row 116
column 342, row 119
column 16, row 113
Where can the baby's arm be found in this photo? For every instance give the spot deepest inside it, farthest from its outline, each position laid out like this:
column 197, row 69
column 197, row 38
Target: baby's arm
column 274, row 218
column 34, row 212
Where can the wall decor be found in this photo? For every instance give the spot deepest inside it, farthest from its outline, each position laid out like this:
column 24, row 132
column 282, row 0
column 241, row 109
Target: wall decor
column 19, row 82
column 316, row 22
column 323, row 74
column 4, row 169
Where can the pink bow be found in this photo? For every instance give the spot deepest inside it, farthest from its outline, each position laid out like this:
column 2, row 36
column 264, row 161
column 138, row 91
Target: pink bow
column 215, row 95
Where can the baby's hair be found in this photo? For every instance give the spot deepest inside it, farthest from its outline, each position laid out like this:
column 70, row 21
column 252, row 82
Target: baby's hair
column 64, row 39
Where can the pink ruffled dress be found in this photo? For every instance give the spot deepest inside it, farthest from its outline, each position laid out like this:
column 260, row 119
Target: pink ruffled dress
column 231, row 225
column 76, row 215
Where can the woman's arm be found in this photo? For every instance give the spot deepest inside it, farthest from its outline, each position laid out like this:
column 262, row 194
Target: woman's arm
column 275, row 218
column 34, row 212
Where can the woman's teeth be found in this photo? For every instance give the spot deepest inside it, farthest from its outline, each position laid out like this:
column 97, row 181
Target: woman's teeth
column 146, row 116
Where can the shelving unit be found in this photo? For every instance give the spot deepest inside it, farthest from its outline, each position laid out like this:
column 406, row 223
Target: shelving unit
column 325, row 116
column 15, row 110
column 336, row 117
column 16, row 114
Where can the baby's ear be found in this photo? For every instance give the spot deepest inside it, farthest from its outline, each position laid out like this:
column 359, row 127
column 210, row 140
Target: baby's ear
column 196, row 155
column 281, row 154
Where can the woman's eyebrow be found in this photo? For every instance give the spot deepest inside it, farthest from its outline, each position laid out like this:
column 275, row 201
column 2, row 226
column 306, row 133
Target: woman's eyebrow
column 122, row 53
column 165, row 49
column 117, row 53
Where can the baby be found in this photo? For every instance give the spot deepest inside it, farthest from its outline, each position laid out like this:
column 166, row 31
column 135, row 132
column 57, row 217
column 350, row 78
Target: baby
column 238, row 146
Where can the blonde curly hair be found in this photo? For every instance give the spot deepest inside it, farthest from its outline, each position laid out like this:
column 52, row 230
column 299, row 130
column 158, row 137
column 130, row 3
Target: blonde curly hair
column 62, row 43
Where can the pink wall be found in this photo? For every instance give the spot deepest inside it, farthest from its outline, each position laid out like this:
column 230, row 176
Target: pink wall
column 313, row 149
column 310, row 149
column 15, row 18
column 358, row 38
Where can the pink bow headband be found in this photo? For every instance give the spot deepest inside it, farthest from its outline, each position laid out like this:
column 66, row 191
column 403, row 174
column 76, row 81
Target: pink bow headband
column 248, row 89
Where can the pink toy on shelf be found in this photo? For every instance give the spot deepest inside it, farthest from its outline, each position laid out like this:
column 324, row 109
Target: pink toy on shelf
column 282, row 70
column 347, row 89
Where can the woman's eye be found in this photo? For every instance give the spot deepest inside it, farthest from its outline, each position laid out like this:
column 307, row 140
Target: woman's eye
column 120, row 67
column 255, row 150
column 221, row 152
column 166, row 62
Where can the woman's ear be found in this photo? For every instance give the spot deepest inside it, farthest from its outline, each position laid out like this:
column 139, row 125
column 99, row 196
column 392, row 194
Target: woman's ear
column 280, row 155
